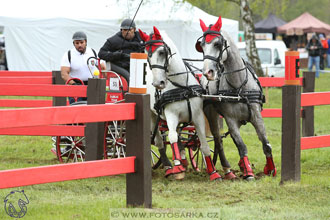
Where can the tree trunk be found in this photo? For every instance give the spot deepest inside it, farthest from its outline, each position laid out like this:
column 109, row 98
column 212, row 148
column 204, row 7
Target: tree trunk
column 248, row 26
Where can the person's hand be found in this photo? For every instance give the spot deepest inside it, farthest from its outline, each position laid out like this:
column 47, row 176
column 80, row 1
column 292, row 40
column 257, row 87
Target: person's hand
column 126, row 56
column 117, row 55
column 135, row 45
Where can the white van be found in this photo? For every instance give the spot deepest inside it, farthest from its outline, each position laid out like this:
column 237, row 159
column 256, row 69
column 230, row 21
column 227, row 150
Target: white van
column 271, row 54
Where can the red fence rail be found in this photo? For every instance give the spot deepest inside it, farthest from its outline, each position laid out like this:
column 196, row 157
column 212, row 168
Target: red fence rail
column 65, row 172
column 138, row 185
column 25, row 73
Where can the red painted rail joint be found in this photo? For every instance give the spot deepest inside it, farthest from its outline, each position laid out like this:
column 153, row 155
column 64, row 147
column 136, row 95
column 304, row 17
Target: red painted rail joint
column 65, row 172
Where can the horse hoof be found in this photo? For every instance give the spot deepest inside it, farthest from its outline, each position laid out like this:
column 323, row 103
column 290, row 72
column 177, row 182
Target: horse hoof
column 179, row 176
column 184, row 163
column 248, row 178
column 230, row 176
column 215, row 177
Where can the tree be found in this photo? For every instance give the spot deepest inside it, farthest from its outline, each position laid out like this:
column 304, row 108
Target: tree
column 248, row 27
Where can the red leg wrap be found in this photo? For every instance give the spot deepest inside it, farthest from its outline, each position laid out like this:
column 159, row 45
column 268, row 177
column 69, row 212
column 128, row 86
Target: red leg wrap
column 215, row 176
column 270, row 167
column 184, row 162
column 168, row 172
column 244, row 164
column 230, row 176
column 211, row 169
column 176, row 152
column 209, row 165
column 178, row 169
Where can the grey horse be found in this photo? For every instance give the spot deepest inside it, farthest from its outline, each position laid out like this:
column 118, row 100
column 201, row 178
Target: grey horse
column 227, row 76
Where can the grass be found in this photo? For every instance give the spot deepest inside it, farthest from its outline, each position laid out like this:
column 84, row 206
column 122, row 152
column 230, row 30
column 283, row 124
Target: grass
column 264, row 198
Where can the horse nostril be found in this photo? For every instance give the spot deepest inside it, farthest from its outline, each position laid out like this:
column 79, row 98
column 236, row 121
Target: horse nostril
column 162, row 83
column 210, row 73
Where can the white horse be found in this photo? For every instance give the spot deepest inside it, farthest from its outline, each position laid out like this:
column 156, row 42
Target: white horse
column 178, row 102
column 235, row 81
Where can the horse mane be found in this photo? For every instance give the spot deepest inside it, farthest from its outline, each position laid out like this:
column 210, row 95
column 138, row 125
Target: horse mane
column 169, row 43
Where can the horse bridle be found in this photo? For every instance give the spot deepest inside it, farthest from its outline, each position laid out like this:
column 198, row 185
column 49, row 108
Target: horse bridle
column 167, row 51
column 221, row 44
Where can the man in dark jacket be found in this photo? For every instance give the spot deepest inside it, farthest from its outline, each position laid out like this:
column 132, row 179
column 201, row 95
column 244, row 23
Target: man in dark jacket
column 314, row 48
column 117, row 48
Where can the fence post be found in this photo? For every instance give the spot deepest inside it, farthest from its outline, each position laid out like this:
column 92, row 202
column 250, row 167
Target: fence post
column 291, row 98
column 57, row 80
column 138, row 184
column 308, row 111
column 94, row 132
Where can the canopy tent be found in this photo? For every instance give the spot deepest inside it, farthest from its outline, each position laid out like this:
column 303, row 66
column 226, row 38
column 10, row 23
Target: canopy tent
column 305, row 23
column 269, row 25
column 39, row 32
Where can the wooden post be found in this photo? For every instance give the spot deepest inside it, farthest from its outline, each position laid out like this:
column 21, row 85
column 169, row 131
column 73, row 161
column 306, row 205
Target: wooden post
column 308, row 111
column 291, row 104
column 57, row 80
column 138, row 184
column 94, row 132
column 290, row 169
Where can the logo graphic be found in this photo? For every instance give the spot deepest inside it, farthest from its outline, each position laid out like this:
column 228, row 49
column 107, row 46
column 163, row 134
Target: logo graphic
column 15, row 204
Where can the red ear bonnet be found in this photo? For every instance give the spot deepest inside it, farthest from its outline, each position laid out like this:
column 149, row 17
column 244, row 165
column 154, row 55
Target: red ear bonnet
column 155, row 36
column 145, row 37
column 216, row 27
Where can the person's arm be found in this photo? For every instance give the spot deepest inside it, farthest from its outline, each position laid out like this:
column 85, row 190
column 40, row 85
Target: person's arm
column 65, row 68
column 106, row 53
column 65, row 74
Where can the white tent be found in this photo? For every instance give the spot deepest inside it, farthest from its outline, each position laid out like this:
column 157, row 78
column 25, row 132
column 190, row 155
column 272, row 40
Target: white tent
column 39, row 32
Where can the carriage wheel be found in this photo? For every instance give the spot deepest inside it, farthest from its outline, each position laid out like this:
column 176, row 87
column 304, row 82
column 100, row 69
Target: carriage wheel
column 155, row 159
column 196, row 157
column 69, row 148
column 115, row 140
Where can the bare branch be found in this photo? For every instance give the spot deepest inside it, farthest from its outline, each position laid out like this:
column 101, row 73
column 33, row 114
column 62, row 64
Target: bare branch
column 235, row 1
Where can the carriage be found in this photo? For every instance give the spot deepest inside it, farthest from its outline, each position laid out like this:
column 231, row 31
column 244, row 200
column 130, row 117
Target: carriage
column 72, row 148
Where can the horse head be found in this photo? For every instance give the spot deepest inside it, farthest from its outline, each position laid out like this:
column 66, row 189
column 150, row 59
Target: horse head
column 214, row 48
column 158, row 57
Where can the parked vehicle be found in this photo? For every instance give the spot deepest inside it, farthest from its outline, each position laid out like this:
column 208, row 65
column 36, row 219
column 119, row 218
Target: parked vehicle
column 271, row 54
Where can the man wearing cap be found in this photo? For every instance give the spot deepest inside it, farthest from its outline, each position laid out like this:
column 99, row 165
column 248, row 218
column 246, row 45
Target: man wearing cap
column 117, row 48
column 74, row 62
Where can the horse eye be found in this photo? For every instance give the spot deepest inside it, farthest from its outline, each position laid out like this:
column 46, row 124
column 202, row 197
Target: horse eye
column 161, row 53
column 217, row 44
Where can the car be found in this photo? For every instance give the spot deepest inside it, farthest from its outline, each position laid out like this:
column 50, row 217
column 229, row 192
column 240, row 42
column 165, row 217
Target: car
column 271, row 54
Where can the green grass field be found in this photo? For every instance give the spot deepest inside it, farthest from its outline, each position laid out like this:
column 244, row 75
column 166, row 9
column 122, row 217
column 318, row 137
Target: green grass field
column 264, row 198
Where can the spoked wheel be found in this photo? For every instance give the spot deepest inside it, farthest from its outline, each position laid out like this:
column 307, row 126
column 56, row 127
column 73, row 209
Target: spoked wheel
column 197, row 159
column 115, row 140
column 69, row 148
column 156, row 161
column 155, row 158
column 190, row 140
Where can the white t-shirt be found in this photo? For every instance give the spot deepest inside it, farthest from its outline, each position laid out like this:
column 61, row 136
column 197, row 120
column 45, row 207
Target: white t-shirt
column 79, row 68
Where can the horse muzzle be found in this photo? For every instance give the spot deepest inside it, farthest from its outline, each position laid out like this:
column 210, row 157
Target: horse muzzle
column 209, row 74
column 159, row 85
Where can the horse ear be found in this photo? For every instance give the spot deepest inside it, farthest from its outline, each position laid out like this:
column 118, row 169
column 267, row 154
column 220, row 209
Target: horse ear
column 157, row 34
column 217, row 26
column 143, row 35
column 202, row 24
